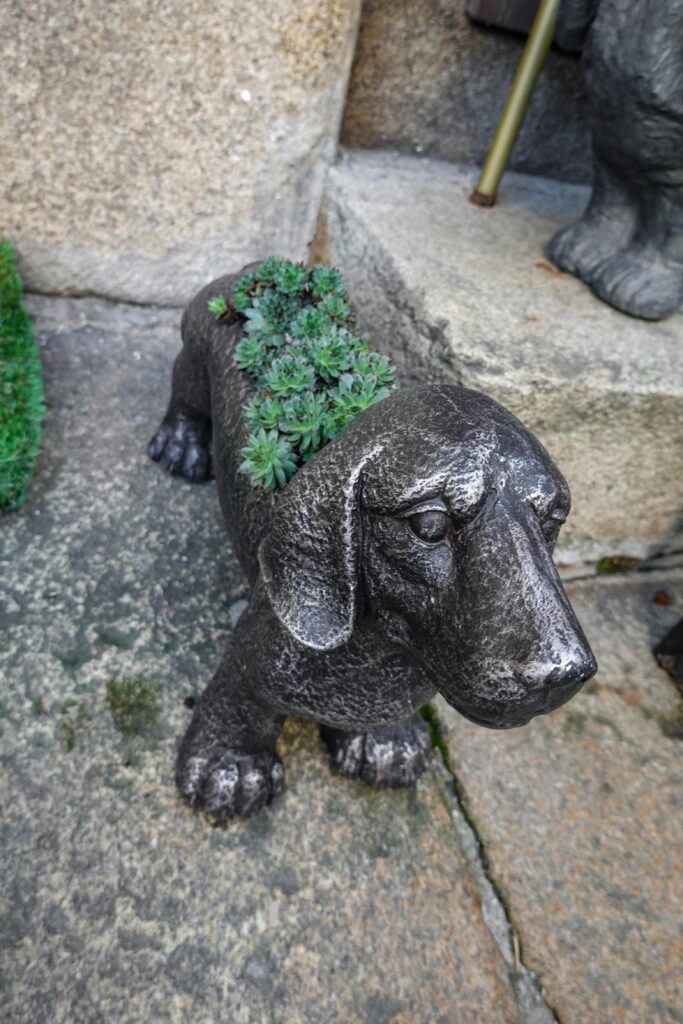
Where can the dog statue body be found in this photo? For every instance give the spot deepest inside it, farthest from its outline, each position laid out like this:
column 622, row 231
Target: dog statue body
column 628, row 245
column 411, row 555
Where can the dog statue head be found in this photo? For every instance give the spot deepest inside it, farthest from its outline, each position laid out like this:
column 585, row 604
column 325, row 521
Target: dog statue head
column 434, row 515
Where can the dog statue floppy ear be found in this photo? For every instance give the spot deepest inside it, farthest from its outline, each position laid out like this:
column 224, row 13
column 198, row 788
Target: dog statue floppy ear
column 310, row 561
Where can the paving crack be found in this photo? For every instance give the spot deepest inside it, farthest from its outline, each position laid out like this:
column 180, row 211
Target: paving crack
column 534, row 1008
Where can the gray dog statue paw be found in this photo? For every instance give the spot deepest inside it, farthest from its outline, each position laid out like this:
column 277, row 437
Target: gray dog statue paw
column 412, row 555
column 395, row 755
column 628, row 246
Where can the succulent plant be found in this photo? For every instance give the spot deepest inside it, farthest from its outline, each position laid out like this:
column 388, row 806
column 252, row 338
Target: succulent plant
column 311, row 323
column 331, row 357
column 289, row 375
column 269, row 269
column 218, row 306
column 290, row 278
column 327, row 281
column 241, row 298
column 353, row 395
column 264, row 412
column 302, row 420
column 372, row 364
column 268, row 459
column 250, row 354
column 335, row 308
column 312, row 374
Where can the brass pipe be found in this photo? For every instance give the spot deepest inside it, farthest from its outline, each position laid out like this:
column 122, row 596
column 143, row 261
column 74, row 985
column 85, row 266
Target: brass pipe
column 535, row 52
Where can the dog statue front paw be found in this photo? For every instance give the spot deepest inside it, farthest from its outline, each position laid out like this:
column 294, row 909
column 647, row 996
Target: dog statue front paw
column 227, row 785
column 395, row 755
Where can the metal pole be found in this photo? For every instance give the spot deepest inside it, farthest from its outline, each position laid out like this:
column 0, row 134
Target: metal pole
column 535, row 51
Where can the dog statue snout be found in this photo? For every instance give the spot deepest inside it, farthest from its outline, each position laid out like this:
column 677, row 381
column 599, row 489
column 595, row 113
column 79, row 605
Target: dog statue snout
column 525, row 652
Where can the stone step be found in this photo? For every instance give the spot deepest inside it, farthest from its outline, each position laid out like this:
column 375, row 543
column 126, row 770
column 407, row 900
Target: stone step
column 458, row 293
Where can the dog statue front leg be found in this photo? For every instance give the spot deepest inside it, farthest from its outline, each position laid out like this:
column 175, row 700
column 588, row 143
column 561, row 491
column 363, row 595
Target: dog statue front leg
column 227, row 764
column 392, row 755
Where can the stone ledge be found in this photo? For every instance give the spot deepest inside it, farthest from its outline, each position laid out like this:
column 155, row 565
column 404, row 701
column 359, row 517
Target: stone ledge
column 458, row 293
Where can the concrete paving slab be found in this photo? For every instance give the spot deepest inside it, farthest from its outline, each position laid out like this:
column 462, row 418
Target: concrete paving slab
column 579, row 814
column 459, row 293
column 338, row 904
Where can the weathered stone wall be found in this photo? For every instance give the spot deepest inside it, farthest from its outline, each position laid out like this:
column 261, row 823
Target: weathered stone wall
column 426, row 80
column 148, row 145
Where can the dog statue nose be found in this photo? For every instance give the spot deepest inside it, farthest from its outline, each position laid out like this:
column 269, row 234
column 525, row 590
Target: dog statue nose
column 563, row 683
column 586, row 667
column 580, row 668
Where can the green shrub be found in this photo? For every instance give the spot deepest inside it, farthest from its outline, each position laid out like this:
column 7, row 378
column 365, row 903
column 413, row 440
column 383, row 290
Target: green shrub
column 21, row 389
column 313, row 374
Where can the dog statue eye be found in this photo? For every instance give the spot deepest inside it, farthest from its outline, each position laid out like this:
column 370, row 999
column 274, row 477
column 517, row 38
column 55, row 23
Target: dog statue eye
column 431, row 526
column 551, row 526
column 550, row 529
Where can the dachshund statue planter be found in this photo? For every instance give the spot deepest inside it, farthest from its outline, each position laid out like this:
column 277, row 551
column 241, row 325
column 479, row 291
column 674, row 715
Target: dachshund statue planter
column 411, row 555
column 628, row 245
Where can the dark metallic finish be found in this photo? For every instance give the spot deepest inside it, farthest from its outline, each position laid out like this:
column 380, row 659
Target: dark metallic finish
column 628, row 246
column 413, row 554
column 669, row 654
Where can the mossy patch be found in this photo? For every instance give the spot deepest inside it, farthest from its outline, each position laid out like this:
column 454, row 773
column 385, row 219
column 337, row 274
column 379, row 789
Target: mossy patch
column 73, row 718
column 615, row 564
column 135, row 706
column 431, row 719
column 574, row 723
column 21, row 389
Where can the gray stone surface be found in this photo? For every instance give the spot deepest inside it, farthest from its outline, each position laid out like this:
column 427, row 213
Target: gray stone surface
column 458, row 293
column 146, row 146
column 425, row 80
column 580, row 817
column 118, row 903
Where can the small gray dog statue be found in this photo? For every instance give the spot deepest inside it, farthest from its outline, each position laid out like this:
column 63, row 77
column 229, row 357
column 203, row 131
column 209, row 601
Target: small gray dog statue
column 628, row 246
column 412, row 555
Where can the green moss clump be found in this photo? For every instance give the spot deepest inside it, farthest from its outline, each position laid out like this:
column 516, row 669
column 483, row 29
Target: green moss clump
column 135, row 706
column 74, row 717
column 610, row 566
column 574, row 723
column 313, row 374
column 21, row 390
column 430, row 717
